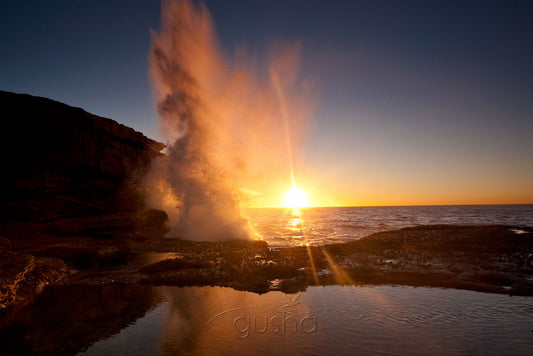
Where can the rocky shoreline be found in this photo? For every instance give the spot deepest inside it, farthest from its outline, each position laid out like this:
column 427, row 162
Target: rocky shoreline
column 72, row 212
column 483, row 258
column 495, row 259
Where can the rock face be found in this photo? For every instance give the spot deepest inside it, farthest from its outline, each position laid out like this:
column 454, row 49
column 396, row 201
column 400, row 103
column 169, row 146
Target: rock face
column 22, row 277
column 66, row 177
column 66, row 171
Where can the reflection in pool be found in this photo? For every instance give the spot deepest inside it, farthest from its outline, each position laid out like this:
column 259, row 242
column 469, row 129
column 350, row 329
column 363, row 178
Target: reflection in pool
column 141, row 320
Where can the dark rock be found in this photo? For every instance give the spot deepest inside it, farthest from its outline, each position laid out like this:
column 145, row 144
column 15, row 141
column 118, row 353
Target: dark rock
column 170, row 265
column 291, row 286
column 64, row 170
column 23, row 277
column 5, row 245
column 66, row 176
column 85, row 315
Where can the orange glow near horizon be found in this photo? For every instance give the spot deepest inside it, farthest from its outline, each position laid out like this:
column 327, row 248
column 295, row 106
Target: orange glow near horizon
column 319, row 194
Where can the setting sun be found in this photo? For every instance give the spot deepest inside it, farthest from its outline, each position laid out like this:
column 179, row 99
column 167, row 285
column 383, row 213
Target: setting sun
column 295, row 198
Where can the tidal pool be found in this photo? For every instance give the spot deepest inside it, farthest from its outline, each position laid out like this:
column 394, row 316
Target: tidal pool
column 146, row 320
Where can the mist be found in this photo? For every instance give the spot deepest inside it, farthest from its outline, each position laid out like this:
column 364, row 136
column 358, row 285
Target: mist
column 233, row 126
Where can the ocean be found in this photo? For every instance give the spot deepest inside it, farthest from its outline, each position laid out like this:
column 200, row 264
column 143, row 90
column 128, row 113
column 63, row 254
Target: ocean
column 319, row 226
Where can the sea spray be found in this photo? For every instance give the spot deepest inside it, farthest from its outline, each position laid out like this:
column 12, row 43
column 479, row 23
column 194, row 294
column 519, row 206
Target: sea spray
column 226, row 124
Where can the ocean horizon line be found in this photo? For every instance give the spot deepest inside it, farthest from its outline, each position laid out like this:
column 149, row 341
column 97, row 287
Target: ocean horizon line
column 388, row 206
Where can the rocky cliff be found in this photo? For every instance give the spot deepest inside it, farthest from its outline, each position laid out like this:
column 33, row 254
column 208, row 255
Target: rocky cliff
column 66, row 171
column 68, row 179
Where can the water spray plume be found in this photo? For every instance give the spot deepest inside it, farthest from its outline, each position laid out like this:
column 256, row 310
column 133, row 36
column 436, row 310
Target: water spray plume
column 225, row 123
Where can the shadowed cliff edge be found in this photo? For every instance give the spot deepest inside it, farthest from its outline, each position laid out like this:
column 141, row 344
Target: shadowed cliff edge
column 65, row 174
column 65, row 171
column 71, row 214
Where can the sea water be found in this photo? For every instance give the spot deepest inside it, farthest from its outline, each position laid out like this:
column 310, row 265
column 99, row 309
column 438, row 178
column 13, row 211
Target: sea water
column 318, row 226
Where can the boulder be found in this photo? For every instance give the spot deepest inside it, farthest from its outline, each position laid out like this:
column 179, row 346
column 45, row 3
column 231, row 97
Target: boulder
column 23, row 277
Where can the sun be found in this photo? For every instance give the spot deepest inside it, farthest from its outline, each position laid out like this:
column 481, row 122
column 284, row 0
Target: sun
column 295, row 198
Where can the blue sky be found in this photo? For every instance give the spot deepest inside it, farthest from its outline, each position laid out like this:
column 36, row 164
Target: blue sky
column 420, row 102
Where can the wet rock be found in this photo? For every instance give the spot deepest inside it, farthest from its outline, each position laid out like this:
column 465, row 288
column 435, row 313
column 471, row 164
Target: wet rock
column 23, row 277
column 291, row 286
column 171, row 265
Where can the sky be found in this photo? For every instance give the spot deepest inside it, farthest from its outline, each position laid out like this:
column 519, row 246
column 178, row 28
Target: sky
column 417, row 102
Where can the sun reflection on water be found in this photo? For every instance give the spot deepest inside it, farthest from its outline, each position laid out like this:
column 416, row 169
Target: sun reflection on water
column 296, row 221
column 296, row 226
